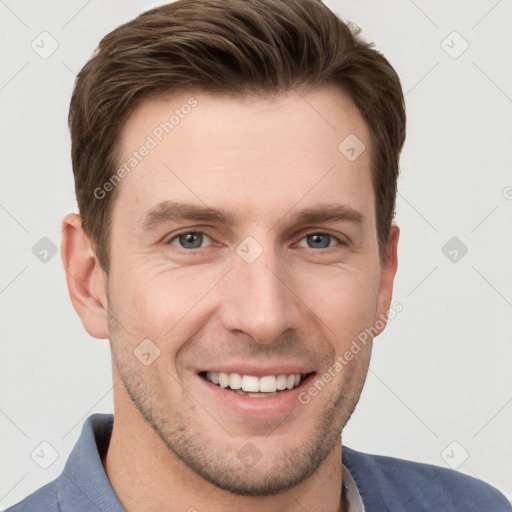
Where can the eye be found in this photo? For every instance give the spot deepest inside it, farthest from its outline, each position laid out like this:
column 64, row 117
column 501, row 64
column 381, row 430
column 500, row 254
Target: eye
column 195, row 239
column 189, row 239
column 318, row 240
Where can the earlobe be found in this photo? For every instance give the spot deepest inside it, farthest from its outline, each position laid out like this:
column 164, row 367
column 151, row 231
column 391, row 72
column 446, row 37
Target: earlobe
column 387, row 277
column 85, row 279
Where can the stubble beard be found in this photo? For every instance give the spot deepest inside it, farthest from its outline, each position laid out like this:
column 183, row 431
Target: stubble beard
column 183, row 436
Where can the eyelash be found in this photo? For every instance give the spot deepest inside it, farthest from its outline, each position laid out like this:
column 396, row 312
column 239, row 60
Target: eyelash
column 200, row 232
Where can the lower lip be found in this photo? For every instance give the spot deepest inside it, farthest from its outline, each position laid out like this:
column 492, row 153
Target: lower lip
column 256, row 407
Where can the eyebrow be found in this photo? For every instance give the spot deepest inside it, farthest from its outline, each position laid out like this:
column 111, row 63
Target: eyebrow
column 168, row 211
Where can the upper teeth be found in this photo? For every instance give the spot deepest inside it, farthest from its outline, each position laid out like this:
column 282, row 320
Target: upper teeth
column 250, row 383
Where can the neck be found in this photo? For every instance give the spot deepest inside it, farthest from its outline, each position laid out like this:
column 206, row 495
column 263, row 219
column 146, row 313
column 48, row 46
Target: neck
column 147, row 476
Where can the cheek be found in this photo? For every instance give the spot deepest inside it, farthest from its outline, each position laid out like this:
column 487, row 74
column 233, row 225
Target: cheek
column 158, row 302
column 155, row 302
column 345, row 301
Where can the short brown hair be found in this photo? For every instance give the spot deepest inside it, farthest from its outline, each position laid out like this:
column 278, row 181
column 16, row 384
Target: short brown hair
column 235, row 47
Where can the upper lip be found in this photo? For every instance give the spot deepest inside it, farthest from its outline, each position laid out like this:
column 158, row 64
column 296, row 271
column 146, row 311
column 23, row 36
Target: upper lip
column 259, row 370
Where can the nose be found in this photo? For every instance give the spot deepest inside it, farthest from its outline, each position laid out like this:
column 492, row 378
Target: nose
column 259, row 299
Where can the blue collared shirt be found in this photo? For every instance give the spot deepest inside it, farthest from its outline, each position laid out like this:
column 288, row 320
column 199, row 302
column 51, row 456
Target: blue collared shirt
column 83, row 485
column 385, row 484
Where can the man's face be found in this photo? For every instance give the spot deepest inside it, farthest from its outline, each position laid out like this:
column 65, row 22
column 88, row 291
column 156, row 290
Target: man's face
column 260, row 293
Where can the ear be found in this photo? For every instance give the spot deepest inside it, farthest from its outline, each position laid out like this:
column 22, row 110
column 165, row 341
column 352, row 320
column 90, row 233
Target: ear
column 387, row 277
column 85, row 278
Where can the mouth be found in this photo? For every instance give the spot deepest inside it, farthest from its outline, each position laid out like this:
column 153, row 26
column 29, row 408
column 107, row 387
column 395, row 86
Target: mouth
column 256, row 387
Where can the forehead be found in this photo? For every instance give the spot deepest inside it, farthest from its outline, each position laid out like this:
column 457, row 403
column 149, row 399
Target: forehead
column 251, row 155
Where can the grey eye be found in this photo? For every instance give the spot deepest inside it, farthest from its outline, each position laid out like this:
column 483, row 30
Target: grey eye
column 318, row 240
column 189, row 240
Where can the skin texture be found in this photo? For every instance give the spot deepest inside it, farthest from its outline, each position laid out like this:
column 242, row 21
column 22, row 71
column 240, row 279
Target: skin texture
column 262, row 158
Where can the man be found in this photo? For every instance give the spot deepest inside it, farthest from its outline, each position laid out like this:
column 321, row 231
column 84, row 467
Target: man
column 235, row 166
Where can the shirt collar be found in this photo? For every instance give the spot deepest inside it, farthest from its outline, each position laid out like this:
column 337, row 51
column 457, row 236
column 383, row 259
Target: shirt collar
column 83, row 485
column 351, row 492
column 363, row 473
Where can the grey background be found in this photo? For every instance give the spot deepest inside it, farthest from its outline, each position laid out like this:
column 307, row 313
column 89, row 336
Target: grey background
column 439, row 387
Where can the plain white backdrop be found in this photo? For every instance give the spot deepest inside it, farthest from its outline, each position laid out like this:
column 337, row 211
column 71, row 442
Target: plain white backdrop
column 439, row 388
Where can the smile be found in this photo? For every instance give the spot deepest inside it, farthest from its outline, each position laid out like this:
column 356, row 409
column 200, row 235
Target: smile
column 250, row 385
